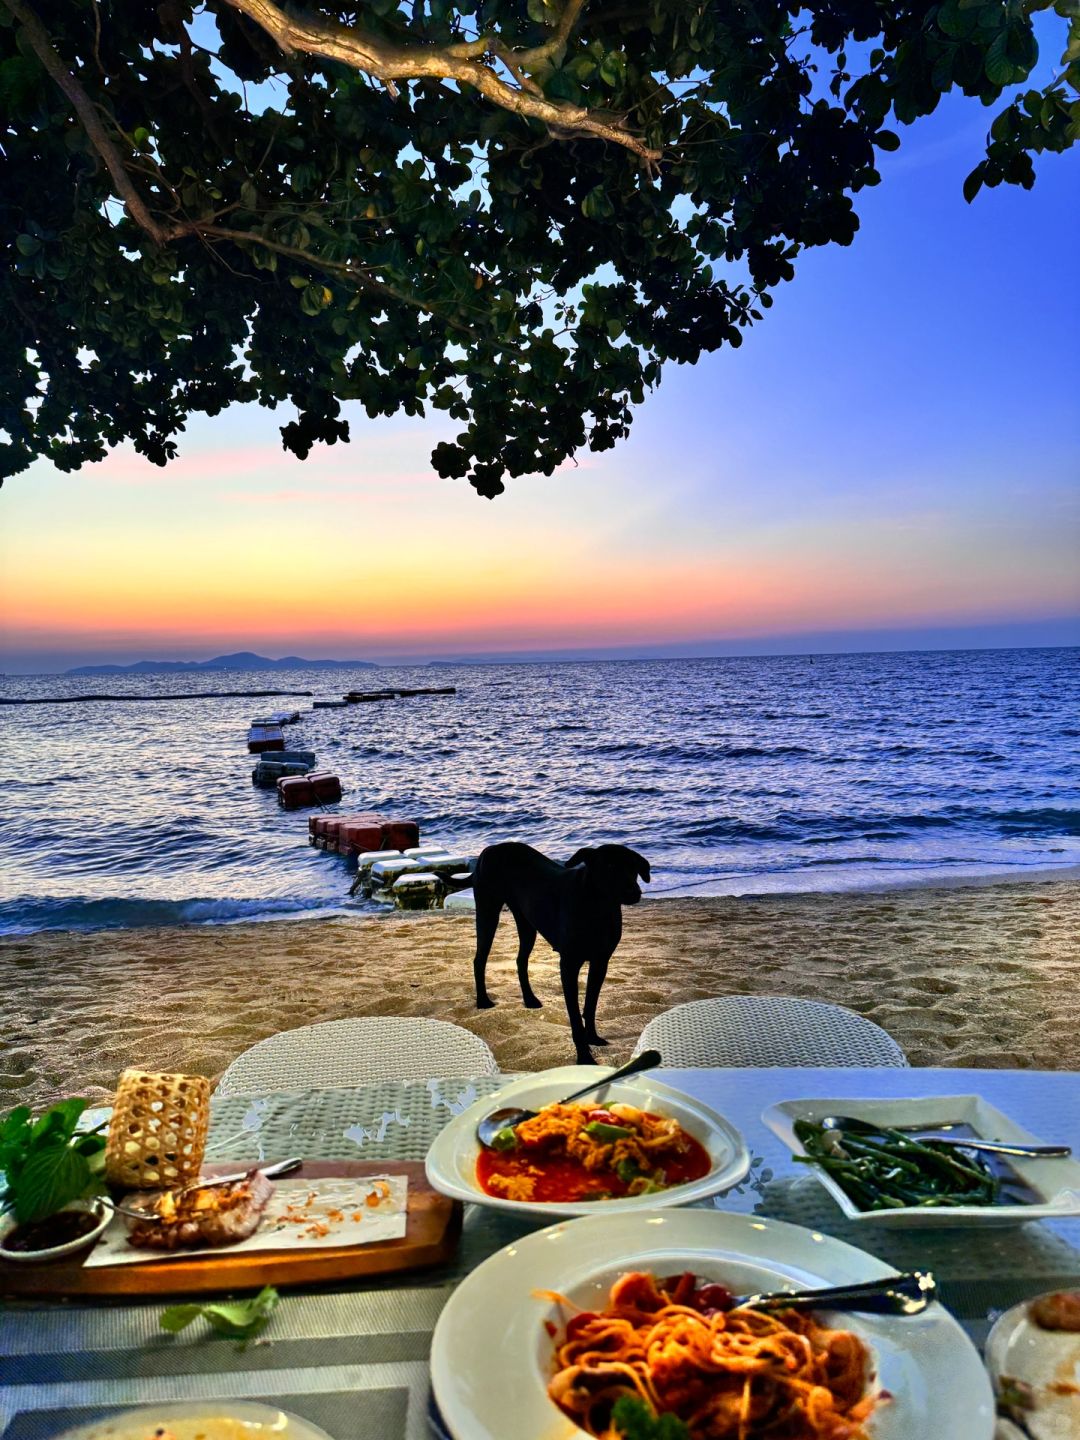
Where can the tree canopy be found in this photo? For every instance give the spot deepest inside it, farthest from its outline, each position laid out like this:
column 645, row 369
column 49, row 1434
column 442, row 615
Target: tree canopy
column 513, row 211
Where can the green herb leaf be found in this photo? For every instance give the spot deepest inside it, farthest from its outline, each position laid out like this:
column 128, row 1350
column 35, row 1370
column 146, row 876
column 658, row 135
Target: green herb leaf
column 240, row 1319
column 59, row 1121
column 635, row 1421
column 52, row 1176
column 179, row 1317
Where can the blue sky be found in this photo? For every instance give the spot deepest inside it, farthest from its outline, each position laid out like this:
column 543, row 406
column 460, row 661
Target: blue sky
column 894, row 449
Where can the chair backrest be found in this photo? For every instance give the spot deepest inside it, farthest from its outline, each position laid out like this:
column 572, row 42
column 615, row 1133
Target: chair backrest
column 767, row 1030
column 367, row 1050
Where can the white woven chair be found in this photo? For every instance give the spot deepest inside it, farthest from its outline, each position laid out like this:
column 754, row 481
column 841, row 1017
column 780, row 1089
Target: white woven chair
column 767, row 1030
column 364, row 1051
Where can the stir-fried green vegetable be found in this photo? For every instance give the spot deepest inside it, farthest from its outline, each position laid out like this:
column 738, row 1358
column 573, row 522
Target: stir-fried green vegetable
column 892, row 1170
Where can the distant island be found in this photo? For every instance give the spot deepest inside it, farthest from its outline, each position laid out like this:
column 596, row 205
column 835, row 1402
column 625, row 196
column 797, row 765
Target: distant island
column 243, row 660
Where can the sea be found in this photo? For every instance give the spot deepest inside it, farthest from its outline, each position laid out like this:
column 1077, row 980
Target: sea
column 732, row 776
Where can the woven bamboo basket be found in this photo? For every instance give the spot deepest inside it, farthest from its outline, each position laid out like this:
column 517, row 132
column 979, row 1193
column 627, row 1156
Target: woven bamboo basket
column 157, row 1134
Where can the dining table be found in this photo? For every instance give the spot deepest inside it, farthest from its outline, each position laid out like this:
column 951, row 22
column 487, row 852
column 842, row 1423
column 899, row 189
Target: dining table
column 353, row 1358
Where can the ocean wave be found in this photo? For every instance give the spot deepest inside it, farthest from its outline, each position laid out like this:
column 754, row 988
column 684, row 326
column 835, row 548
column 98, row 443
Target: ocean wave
column 700, row 751
column 22, row 917
column 816, row 829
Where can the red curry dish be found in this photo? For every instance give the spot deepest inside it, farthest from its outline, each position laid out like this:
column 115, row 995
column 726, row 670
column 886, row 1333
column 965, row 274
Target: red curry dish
column 587, row 1152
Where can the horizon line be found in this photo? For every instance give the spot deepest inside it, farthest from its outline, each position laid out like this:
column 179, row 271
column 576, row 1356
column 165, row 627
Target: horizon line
column 622, row 655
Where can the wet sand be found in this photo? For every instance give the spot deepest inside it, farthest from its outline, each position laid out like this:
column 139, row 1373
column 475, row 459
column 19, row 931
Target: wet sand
column 981, row 976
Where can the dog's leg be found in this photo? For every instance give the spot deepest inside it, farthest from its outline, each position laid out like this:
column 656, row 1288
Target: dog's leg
column 526, row 941
column 594, row 980
column 488, row 910
column 569, row 971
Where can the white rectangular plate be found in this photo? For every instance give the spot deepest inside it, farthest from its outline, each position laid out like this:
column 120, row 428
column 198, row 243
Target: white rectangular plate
column 1055, row 1183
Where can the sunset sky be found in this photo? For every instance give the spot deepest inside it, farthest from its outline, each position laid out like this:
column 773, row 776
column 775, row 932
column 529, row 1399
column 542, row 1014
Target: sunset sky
column 896, row 448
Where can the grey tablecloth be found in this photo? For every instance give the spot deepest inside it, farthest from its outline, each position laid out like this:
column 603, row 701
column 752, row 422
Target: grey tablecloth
column 355, row 1362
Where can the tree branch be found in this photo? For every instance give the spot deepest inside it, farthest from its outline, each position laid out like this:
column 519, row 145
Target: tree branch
column 42, row 47
column 559, row 37
column 383, row 60
column 357, row 275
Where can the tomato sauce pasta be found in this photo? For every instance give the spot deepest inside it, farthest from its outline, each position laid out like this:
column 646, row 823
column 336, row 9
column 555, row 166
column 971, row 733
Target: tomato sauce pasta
column 680, row 1348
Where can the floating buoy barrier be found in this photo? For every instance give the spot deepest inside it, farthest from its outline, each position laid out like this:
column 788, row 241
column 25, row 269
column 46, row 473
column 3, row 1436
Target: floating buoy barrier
column 295, row 757
column 384, row 873
column 380, row 873
column 295, row 792
column 329, row 704
column 461, row 901
column 268, row 772
column 352, row 835
column 422, row 890
column 445, row 864
column 263, row 737
column 360, row 697
column 282, row 717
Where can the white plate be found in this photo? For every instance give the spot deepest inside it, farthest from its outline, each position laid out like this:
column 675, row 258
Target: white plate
column 451, row 1161
column 1043, row 1359
column 491, row 1355
column 1055, row 1183
column 186, row 1419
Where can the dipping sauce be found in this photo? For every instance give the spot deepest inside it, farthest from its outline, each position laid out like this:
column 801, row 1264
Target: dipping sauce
column 58, row 1229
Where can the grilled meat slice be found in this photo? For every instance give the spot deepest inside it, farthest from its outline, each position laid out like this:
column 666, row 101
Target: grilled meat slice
column 210, row 1215
column 1060, row 1311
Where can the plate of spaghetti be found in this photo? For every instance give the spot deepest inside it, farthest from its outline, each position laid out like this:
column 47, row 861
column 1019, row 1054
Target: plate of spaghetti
column 639, row 1144
column 619, row 1326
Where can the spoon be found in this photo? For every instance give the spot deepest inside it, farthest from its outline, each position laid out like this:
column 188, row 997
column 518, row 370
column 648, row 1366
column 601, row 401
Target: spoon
column 280, row 1167
column 507, row 1118
column 895, row 1295
column 990, row 1147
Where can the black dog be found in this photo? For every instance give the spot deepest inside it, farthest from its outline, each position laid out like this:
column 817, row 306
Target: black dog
column 576, row 907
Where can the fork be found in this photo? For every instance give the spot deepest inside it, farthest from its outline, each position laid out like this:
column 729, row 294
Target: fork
column 895, row 1295
column 280, row 1167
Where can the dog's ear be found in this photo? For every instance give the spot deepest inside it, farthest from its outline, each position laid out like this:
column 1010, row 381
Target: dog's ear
column 641, row 866
column 580, row 857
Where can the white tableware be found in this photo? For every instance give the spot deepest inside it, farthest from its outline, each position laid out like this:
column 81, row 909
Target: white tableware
column 1048, row 1361
column 1055, row 1184
column 451, row 1161
column 195, row 1420
column 492, row 1355
column 102, row 1216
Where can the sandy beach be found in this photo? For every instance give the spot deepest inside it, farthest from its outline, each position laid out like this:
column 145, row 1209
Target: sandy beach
column 980, row 976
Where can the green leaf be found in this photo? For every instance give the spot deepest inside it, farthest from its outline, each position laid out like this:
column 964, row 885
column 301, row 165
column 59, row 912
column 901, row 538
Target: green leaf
column 240, row 1319
column 635, row 1421
column 179, row 1317
column 974, row 182
column 51, row 1177
column 58, row 1121
column 27, row 245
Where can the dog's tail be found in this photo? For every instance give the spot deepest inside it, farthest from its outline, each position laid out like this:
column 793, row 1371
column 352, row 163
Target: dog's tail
column 456, row 883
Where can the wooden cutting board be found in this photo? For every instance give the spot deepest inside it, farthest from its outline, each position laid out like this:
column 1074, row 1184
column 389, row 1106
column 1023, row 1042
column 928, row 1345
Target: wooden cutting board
column 433, row 1230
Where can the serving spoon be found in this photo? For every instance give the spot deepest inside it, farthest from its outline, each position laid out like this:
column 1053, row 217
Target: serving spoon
column 895, row 1295
column 958, row 1142
column 512, row 1115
